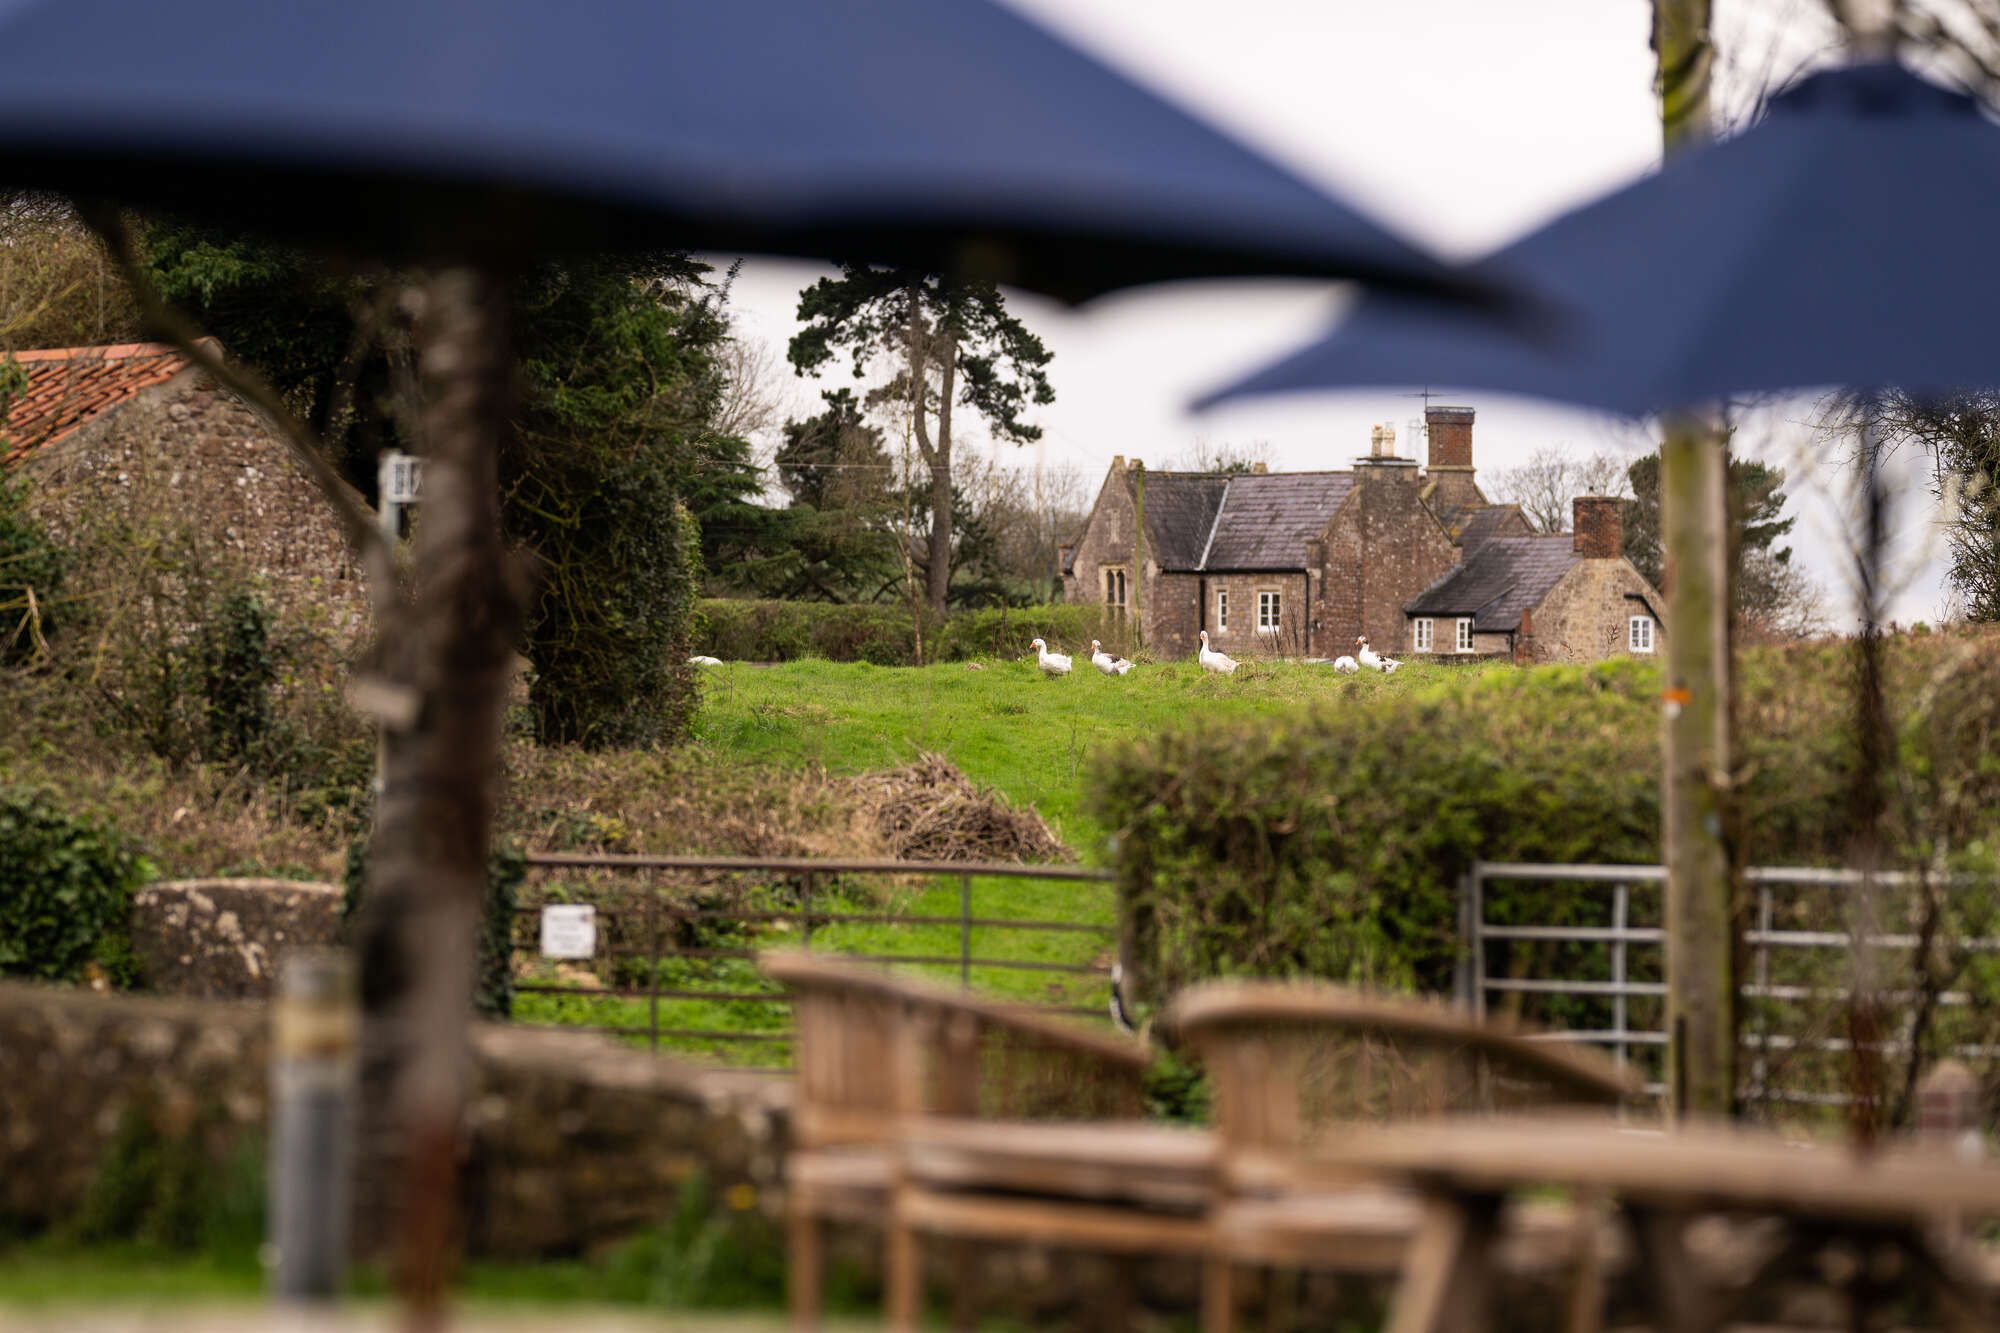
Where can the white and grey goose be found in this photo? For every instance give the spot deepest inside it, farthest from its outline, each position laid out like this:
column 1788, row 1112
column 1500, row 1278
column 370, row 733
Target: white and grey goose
column 1105, row 662
column 1210, row 660
column 1052, row 664
column 1374, row 660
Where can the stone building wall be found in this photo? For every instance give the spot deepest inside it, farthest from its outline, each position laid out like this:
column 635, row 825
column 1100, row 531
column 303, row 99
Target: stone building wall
column 1173, row 613
column 1242, row 639
column 1584, row 617
column 188, row 452
column 1383, row 547
column 1109, row 538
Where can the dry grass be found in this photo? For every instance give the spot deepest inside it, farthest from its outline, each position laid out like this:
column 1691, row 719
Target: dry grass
column 929, row 811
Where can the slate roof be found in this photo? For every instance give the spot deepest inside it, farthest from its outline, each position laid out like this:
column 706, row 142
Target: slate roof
column 1477, row 526
column 1180, row 510
column 1497, row 582
column 68, row 386
column 1269, row 517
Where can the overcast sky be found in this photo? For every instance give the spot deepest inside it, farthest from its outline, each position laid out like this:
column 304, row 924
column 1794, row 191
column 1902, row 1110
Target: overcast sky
column 1461, row 122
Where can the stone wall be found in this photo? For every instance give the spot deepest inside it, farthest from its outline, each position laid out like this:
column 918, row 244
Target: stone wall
column 1383, row 547
column 1110, row 537
column 220, row 938
column 1584, row 617
column 575, row 1141
column 187, row 449
column 1242, row 639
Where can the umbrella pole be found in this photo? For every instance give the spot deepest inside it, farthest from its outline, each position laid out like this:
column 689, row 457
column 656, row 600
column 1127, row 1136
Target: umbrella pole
column 428, row 865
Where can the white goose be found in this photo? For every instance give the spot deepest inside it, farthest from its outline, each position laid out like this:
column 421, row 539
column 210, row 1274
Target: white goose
column 1053, row 664
column 1105, row 662
column 1375, row 661
column 1346, row 666
column 1211, row 660
column 699, row 660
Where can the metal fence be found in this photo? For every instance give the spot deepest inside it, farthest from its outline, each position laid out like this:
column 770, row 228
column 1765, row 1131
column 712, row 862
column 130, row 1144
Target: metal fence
column 668, row 951
column 1598, row 976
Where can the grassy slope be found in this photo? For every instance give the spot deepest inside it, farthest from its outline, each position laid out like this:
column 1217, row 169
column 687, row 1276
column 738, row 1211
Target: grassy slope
column 1007, row 727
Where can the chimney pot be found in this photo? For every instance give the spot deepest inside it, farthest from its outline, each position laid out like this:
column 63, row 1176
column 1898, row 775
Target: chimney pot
column 1260, row 467
column 1600, row 527
column 1117, row 462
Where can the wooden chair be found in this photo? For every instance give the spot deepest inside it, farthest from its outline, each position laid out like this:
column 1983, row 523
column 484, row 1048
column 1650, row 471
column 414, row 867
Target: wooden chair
column 874, row 1051
column 1292, row 1063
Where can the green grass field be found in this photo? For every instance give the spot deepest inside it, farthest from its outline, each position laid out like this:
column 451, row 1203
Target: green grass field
column 1004, row 724
column 1007, row 727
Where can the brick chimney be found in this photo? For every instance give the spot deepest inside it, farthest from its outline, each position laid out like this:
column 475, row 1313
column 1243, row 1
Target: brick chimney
column 1600, row 527
column 1449, row 465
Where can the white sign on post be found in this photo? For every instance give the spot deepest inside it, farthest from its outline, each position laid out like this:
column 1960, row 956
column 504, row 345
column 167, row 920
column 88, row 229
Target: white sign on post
column 569, row 930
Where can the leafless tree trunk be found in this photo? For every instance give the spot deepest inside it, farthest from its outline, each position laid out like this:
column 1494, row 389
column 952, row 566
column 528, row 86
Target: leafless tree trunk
column 419, row 924
column 1701, row 900
column 444, row 642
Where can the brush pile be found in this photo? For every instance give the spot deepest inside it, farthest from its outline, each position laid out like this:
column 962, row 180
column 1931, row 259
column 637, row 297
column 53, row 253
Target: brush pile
column 929, row 811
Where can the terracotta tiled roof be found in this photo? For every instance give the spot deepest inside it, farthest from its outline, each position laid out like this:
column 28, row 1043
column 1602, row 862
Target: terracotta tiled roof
column 67, row 386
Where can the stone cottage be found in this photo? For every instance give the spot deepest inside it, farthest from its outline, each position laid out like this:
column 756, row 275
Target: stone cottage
column 1561, row 597
column 1284, row 563
column 1301, row 564
column 135, row 430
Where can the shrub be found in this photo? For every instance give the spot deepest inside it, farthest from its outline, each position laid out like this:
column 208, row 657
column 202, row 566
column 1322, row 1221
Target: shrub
column 885, row 634
column 65, row 889
column 1331, row 844
column 31, row 574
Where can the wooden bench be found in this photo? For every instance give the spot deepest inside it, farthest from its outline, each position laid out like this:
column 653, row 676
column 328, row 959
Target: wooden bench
column 1295, row 1065
column 874, row 1051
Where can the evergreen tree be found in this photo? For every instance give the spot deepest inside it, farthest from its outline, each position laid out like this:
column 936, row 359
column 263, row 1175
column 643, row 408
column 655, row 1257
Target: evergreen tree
column 953, row 343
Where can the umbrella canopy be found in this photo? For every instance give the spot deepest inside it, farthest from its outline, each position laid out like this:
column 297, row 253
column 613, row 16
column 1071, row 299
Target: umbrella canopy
column 950, row 136
column 1846, row 240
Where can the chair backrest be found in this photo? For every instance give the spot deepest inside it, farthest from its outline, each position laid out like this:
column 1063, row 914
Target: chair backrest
column 1289, row 1061
column 871, row 1047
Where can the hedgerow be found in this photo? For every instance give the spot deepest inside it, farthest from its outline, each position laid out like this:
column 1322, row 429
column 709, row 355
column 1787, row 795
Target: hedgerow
column 1331, row 844
column 885, row 634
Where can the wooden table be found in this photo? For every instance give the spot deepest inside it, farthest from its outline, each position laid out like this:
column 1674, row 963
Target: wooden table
column 1902, row 1198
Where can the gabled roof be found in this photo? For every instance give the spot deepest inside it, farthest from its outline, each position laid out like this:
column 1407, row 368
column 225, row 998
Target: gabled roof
column 1270, row 516
column 1180, row 510
column 1497, row 582
column 68, row 386
column 1477, row 526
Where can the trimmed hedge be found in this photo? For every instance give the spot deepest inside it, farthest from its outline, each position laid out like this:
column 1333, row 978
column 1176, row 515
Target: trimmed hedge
column 885, row 634
column 1332, row 844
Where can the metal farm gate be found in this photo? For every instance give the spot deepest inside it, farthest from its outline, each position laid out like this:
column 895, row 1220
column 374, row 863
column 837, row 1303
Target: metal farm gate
column 661, row 949
column 1588, row 963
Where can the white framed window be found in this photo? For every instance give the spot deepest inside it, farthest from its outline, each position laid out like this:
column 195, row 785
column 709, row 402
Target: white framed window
column 1464, row 643
column 1269, row 612
column 1221, row 610
column 1114, row 589
column 1639, row 634
column 1421, row 630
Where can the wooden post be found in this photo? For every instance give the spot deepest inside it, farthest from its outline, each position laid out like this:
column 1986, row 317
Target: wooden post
column 1694, row 532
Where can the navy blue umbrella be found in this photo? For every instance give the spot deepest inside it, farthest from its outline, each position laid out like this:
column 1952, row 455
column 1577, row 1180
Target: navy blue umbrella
column 951, row 135
column 1848, row 239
